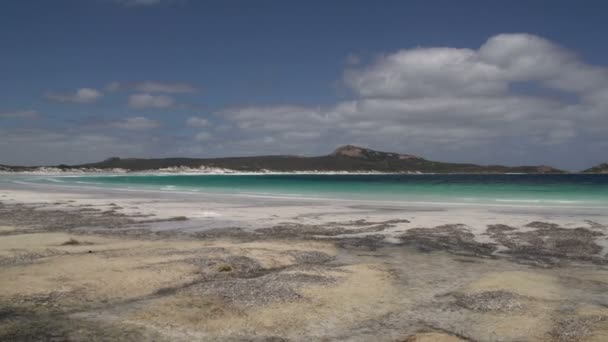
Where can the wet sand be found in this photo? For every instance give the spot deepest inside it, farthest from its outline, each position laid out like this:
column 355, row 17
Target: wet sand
column 78, row 264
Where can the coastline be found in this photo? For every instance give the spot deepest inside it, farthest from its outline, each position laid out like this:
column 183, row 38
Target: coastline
column 183, row 266
column 46, row 171
column 450, row 190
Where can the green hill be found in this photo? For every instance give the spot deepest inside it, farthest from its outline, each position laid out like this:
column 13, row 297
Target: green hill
column 345, row 158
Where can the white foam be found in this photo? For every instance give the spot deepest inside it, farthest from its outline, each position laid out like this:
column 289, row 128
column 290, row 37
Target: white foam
column 206, row 214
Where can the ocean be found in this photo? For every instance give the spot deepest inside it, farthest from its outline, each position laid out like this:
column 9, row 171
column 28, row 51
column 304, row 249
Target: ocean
column 580, row 190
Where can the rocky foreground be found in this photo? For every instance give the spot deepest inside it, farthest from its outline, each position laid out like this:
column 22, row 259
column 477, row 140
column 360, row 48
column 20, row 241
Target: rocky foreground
column 75, row 272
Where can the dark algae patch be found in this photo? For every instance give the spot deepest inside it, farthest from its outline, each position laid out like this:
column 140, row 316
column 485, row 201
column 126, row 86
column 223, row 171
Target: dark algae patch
column 452, row 238
column 548, row 244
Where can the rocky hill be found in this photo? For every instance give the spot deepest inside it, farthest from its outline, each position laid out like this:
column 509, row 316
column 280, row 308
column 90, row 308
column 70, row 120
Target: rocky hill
column 601, row 168
column 364, row 153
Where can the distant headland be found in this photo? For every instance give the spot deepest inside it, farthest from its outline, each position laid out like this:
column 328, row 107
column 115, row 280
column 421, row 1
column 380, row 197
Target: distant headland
column 345, row 159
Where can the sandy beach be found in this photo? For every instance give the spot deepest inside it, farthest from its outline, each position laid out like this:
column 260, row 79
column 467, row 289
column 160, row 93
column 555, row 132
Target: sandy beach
column 106, row 265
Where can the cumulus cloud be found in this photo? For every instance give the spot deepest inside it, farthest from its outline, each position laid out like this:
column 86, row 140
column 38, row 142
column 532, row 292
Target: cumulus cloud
column 155, row 87
column 203, row 136
column 82, row 95
column 137, row 123
column 501, row 61
column 276, row 118
column 195, row 121
column 23, row 114
column 165, row 87
column 439, row 99
column 143, row 101
column 420, row 72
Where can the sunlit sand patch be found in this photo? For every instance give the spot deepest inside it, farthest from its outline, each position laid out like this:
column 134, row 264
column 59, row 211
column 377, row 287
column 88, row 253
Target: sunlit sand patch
column 39, row 241
column 589, row 324
column 7, row 229
column 273, row 255
column 366, row 292
column 64, row 243
column 599, row 334
column 87, row 273
column 361, row 292
column 549, row 312
column 592, row 310
column 93, row 269
column 94, row 277
column 48, row 261
column 532, row 324
column 532, row 284
column 526, row 315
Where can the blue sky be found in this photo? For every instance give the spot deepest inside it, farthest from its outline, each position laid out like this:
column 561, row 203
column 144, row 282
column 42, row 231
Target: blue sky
column 472, row 81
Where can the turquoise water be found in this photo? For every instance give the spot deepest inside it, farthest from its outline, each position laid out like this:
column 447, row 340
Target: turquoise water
column 554, row 190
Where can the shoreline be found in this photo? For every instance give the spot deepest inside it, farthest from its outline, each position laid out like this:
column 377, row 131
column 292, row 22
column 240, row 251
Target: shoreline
column 430, row 200
column 50, row 171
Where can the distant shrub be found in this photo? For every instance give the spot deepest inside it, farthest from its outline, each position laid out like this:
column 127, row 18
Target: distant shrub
column 71, row 242
column 179, row 218
column 224, row 268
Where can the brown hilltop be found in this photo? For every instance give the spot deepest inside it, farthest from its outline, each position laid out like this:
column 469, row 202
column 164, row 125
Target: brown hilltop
column 353, row 151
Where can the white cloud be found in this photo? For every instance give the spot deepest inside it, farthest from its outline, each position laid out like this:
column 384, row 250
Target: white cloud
column 143, row 101
column 137, row 123
column 195, row 121
column 504, row 59
column 23, row 114
column 82, row 95
column 155, row 87
column 203, row 136
column 420, row 72
column 165, row 87
column 302, row 135
column 441, row 99
column 276, row 118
